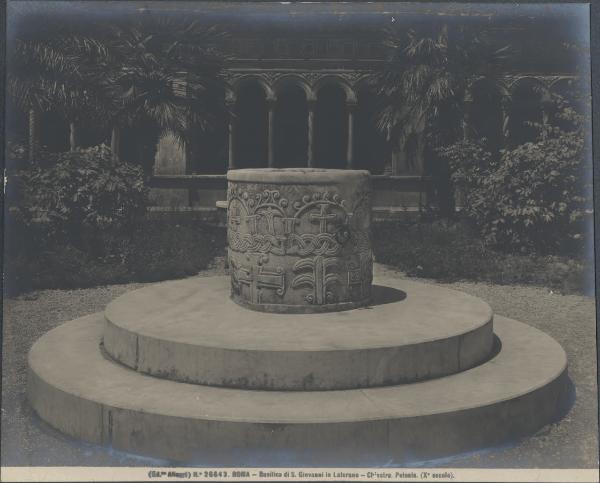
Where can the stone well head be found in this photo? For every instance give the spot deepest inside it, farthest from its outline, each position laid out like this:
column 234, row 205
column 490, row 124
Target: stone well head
column 299, row 239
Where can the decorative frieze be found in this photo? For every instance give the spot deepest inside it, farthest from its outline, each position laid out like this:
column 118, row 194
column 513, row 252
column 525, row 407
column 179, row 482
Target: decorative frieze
column 299, row 239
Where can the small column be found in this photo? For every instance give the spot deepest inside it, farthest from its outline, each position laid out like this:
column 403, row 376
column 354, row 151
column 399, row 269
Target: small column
column 232, row 125
column 271, row 133
column 545, row 121
column 467, row 101
column 350, row 149
column 546, row 103
column 311, row 133
column 505, row 106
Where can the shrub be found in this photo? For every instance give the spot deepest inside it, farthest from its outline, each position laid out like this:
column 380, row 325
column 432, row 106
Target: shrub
column 535, row 196
column 16, row 153
column 16, row 157
column 84, row 194
column 451, row 251
column 469, row 162
column 163, row 249
column 154, row 250
column 82, row 222
column 433, row 250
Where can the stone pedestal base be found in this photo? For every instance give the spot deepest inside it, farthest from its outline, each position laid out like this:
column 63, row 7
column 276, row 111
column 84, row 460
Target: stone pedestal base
column 77, row 390
column 172, row 371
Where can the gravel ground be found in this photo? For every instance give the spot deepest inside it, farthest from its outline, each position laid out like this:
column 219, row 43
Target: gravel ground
column 570, row 319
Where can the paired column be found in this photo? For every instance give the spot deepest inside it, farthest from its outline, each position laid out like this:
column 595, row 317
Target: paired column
column 351, row 107
column 311, row 132
column 271, row 132
column 230, row 103
column 271, row 102
column 467, row 102
column 546, row 103
column 505, row 106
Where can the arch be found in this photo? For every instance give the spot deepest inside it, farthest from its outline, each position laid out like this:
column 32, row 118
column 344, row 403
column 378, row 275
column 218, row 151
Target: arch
column 485, row 113
column 333, row 80
column 500, row 85
column 559, row 82
column 288, row 81
column 331, row 127
column 372, row 149
column 291, row 126
column 251, row 121
column 363, row 82
column 55, row 135
column 531, row 82
column 567, row 89
column 247, row 79
column 526, row 114
column 206, row 147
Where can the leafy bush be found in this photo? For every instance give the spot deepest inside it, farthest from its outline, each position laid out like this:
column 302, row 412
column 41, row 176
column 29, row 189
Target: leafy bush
column 534, row 197
column 154, row 250
column 16, row 152
column 163, row 249
column 16, row 157
column 452, row 251
column 469, row 162
column 83, row 194
column 82, row 222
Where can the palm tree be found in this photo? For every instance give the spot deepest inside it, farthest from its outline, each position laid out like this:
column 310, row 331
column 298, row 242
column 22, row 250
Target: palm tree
column 423, row 84
column 47, row 72
column 36, row 70
column 163, row 75
column 156, row 75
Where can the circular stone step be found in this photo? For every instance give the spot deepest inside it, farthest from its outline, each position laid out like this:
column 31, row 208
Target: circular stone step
column 190, row 331
column 79, row 392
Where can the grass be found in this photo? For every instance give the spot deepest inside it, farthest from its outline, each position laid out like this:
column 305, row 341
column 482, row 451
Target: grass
column 451, row 251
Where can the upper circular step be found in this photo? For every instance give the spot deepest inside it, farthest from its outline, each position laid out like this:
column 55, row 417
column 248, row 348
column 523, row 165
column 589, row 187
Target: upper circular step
column 189, row 330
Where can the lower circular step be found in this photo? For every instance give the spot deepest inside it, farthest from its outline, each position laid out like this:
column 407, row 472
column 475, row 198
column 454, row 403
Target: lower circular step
column 190, row 331
column 74, row 388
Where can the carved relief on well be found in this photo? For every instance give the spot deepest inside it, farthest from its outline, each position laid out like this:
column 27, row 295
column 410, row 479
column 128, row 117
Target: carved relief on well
column 300, row 247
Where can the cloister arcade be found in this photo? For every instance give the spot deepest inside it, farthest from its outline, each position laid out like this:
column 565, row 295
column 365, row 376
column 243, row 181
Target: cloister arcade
column 327, row 120
column 291, row 123
column 512, row 111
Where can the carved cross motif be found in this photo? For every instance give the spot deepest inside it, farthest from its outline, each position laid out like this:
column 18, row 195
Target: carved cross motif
column 234, row 218
column 257, row 278
column 318, row 278
column 270, row 214
column 252, row 221
column 289, row 225
column 360, row 275
column 322, row 218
